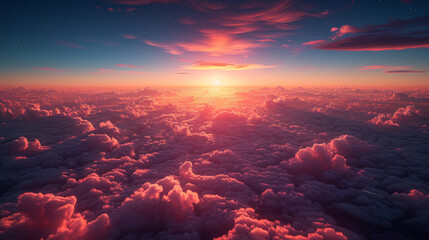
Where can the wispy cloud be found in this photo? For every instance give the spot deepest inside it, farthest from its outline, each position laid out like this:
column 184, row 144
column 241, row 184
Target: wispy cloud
column 231, row 31
column 129, row 36
column 383, row 67
column 307, row 68
column 49, row 69
column 203, row 65
column 213, row 43
column 170, row 48
column 405, row 71
column 391, row 69
column 106, row 71
column 128, row 65
column 68, row 44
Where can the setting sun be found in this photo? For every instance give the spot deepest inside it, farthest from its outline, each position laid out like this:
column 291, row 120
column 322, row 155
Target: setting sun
column 214, row 119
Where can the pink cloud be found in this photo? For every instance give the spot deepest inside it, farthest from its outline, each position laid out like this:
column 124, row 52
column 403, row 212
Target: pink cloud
column 222, row 38
column 319, row 158
column 346, row 29
column 209, row 163
column 172, row 49
column 266, row 40
column 391, row 69
column 416, row 195
column 129, row 36
column 203, row 65
column 22, row 145
column 314, row 43
column 214, row 43
column 128, row 65
column 165, row 199
column 401, row 116
column 188, row 21
column 53, row 217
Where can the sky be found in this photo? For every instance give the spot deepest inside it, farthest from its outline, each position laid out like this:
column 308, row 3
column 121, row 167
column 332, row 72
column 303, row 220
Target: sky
column 127, row 43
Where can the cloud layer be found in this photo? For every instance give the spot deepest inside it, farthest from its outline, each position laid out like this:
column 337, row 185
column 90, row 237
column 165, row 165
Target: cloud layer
column 268, row 163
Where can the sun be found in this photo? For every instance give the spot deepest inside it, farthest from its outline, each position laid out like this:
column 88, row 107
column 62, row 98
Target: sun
column 216, row 82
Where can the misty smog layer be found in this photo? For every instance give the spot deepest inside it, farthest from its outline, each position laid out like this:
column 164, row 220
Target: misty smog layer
column 214, row 163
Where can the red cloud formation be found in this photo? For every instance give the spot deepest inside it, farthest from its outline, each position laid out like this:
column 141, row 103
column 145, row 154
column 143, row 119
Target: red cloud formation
column 49, row 69
column 395, row 35
column 225, row 66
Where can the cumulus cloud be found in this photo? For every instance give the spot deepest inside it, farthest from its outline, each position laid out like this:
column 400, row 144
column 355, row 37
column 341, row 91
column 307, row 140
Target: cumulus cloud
column 51, row 217
column 402, row 115
column 22, row 145
column 154, row 206
column 260, row 163
column 322, row 158
column 101, row 141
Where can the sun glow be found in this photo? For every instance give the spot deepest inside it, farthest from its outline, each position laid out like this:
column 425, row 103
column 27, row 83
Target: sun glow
column 216, row 82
